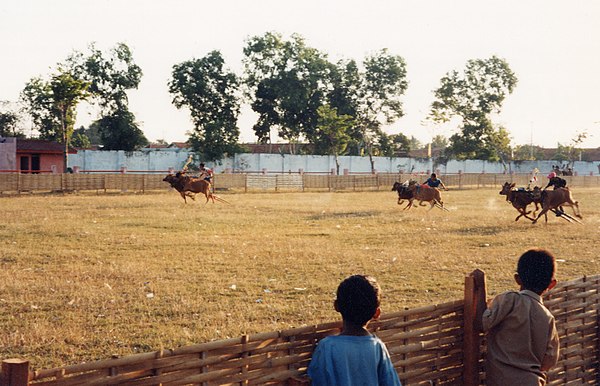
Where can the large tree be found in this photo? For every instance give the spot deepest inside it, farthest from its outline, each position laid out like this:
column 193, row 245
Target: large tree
column 371, row 94
column 52, row 105
column 119, row 131
column 392, row 145
column 331, row 135
column 473, row 96
column 287, row 82
column 209, row 91
column 110, row 75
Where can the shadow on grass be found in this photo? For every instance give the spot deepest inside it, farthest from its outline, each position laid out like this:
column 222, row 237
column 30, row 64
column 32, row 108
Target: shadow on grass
column 337, row 215
column 484, row 230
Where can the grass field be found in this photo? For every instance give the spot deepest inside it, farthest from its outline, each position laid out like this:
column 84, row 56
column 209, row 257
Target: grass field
column 86, row 276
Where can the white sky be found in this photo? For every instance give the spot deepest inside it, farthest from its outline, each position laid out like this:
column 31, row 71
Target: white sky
column 552, row 46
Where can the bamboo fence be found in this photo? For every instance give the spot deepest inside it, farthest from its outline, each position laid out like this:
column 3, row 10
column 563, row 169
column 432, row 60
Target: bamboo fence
column 30, row 183
column 432, row 345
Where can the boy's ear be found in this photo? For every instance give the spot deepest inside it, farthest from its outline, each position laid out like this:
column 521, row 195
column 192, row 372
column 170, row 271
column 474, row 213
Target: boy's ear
column 552, row 284
column 518, row 279
column 377, row 313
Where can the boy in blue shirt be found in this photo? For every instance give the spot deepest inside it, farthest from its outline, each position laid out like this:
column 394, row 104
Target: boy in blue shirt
column 355, row 357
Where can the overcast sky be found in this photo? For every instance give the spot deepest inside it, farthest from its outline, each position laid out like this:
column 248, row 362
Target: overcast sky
column 552, row 46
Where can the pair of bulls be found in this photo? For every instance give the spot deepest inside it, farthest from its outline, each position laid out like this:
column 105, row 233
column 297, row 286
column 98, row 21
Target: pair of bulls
column 413, row 191
column 550, row 200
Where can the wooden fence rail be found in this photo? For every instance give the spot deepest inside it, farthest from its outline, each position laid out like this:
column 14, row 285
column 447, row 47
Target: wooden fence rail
column 432, row 345
column 19, row 183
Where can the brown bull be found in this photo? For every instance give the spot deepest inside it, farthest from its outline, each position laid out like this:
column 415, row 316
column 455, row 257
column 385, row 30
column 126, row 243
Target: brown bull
column 424, row 193
column 186, row 185
column 403, row 192
column 520, row 199
column 552, row 200
column 177, row 183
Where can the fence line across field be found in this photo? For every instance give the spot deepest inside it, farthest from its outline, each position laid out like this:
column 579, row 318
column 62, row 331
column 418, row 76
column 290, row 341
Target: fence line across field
column 19, row 183
column 430, row 345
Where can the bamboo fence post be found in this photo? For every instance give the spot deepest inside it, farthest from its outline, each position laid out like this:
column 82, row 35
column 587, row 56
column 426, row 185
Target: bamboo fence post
column 15, row 372
column 473, row 293
column 245, row 354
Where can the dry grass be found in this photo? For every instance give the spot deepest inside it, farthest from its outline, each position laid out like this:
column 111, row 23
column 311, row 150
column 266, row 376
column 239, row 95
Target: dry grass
column 85, row 276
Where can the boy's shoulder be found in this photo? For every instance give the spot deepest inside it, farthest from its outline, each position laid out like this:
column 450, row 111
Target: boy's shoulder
column 350, row 340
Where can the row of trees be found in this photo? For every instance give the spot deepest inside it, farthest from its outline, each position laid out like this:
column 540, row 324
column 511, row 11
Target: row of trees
column 298, row 94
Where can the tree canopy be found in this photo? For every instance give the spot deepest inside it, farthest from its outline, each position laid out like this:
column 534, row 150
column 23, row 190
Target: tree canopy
column 52, row 105
column 110, row 75
column 10, row 121
column 209, row 91
column 473, row 96
column 287, row 82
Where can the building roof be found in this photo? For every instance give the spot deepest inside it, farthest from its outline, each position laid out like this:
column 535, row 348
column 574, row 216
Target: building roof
column 41, row 146
column 179, row 145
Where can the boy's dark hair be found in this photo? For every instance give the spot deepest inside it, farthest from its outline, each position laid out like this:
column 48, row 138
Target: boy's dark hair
column 358, row 297
column 536, row 269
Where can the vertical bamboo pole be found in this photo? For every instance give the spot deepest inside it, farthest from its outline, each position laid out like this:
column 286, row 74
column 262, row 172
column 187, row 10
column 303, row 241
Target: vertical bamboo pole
column 15, row 372
column 473, row 293
column 245, row 354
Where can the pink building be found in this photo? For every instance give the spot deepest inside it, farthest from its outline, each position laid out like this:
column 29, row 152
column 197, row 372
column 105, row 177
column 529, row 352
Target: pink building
column 39, row 156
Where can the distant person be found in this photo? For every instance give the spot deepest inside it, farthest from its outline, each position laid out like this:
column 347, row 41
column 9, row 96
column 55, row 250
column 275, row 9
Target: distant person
column 205, row 173
column 522, row 341
column 434, row 182
column 355, row 357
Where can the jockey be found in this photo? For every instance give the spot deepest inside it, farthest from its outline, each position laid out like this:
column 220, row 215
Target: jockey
column 205, row 173
column 555, row 181
column 434, row 182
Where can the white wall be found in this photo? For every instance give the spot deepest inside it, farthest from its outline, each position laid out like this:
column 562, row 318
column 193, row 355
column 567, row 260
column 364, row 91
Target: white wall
column 8, row 153
column 163, row 160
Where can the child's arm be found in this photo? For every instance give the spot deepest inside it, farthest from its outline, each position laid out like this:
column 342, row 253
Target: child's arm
column 551, row 355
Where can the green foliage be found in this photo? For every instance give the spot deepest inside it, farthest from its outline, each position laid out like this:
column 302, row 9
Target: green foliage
column 91, row 132
column 209, row 91
column 474, row 96
column 371, row 95
column 439, row 142
column 80, row 140
column 287, row 82
column 527, row 153
column 52, row 104
column 9, row 122
column 414, row 143
column 572, row 151
column 109, row 75
column 394, row 145
column 331, row 135
column 119, row 131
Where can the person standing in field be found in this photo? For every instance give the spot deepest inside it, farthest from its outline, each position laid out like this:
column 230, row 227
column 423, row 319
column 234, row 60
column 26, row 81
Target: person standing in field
column 522, row 341
column 355, row 357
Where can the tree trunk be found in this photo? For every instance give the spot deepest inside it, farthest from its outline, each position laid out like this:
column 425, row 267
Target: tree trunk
column 65, row 141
